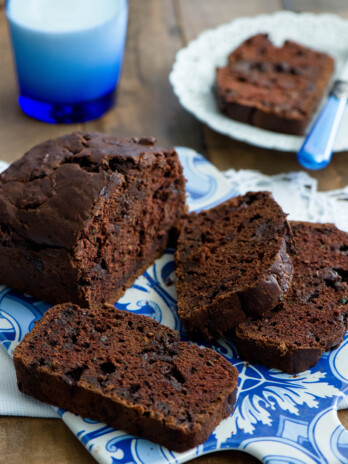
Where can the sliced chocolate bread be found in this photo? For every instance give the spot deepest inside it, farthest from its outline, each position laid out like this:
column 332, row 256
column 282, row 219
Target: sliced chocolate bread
column 128, row 371
column 275, row 88
column 83, row 215
column 232, row 261
column 313, row 317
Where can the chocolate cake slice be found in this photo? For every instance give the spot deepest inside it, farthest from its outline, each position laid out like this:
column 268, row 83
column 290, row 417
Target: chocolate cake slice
column 83, row 215
column 128, row 371
column 313, row 317
column 277, row 89
column 232, row 261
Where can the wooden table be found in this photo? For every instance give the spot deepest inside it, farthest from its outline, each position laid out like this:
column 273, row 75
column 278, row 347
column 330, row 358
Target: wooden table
column 146, row 105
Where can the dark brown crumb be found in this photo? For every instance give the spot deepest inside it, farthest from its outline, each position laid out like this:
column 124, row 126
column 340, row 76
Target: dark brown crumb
column 83, row 215
column 313, row 317
column 274, row 88
column 232, row 261
column 128, row 371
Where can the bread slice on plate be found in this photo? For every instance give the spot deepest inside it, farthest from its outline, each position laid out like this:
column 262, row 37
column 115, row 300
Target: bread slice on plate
column 126, row 370
column 275, row 88
column 232, row 261
column 313, row 317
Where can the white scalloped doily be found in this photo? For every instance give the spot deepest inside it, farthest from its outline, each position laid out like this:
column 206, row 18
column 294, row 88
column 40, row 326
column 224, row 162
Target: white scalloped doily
column 297, row 194
column 193, row 72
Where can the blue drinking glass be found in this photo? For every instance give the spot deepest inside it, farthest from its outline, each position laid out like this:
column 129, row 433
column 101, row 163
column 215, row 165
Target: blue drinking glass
column 68, row 56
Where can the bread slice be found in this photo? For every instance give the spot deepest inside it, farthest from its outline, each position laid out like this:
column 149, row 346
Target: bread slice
column 232, row 261
column 313, row 317
column 128, row 371
column 275, row 88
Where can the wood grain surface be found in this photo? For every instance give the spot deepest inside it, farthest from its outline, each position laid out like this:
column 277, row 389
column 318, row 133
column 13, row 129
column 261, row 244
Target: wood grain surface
column 146, row 106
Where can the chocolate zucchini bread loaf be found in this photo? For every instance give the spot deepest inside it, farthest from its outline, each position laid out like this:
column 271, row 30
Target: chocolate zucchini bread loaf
column 313, row 317
column 83, row 215
column 232, row 261
column 128, row 371
column 277, row 89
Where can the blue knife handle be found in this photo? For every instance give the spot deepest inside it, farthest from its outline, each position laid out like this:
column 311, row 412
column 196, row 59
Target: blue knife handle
column 316, row 150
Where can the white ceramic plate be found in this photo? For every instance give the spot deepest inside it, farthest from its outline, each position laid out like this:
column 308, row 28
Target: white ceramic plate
column 193, row 73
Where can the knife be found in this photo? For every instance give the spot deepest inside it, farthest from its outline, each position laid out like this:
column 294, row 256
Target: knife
column 316, row 150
